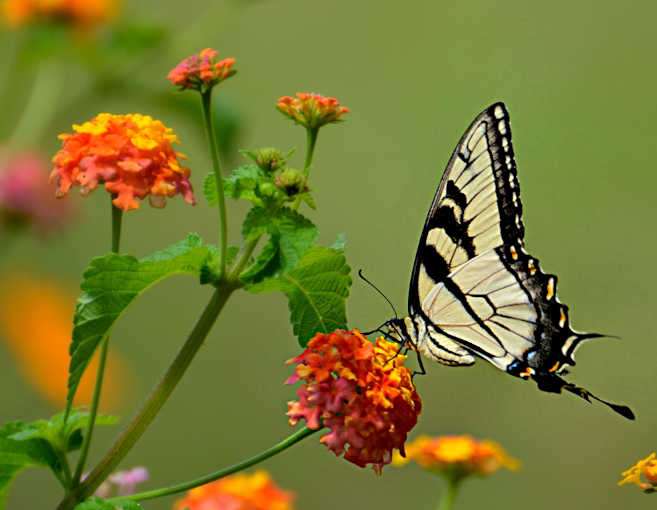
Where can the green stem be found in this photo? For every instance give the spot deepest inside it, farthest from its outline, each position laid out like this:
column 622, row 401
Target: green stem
column 206, row 98
column 155, row 401
column 41, row 106
column 449, row 496
column 216, row 475
column 311, row 141
column 117, row 216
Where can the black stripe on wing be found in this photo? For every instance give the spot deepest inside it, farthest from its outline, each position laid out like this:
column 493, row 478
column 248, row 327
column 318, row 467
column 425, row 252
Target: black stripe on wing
column 477, row 205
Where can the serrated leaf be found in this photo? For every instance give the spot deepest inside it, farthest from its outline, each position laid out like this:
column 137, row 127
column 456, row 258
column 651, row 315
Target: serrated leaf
column 210, row 272
column 293, row 233
column 15, row 456
column 266, row 264
column 110, row 284
column 317, row 290
column 242, row 183
column 64, row 435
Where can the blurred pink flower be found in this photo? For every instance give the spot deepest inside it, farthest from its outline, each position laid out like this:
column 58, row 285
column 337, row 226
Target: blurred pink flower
column 26, row 197
column 122, row 483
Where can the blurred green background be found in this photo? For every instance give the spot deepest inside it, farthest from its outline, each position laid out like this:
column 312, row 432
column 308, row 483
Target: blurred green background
column 579, row 81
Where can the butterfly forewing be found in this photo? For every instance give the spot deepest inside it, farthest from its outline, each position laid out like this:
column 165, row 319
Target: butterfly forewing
column 477, row 206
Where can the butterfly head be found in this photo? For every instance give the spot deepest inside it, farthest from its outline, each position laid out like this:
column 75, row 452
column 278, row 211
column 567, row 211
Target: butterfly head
column 401, row 331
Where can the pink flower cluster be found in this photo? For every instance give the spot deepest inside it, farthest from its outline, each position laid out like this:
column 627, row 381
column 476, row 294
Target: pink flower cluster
column 202, row 71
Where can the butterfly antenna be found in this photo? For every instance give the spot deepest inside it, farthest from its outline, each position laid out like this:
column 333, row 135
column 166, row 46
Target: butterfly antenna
column 362, row 277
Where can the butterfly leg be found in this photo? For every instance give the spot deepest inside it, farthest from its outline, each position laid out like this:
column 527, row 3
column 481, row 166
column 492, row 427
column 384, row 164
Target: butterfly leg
column 422, row 370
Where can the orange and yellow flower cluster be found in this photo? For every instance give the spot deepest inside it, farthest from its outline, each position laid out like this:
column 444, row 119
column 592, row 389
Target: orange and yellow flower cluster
column 360, row 391
column 643, row 474
column 82, row 13
column 238, row 492
column 131, row 154
column 311, row 110
column 457, row 456
column 203, row 71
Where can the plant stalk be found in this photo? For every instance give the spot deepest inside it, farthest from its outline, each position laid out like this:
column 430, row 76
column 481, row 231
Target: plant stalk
column 216, row 475
column 206, row 98
column 449, row 496
column 155, row 401
column 117, row 216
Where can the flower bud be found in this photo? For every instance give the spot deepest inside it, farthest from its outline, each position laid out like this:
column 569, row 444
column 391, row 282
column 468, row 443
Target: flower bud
column 291, row 181
column 268, row 159
column 202, row 71
column 311, row 110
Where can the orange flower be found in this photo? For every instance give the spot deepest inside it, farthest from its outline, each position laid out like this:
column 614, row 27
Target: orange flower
column 457, row 456
column 82, row 13
column 360, row 391
column 311, row 110
column 238, row 492
column 202, row 71
column 35, row 322
column 643, row 474
column 131, row 154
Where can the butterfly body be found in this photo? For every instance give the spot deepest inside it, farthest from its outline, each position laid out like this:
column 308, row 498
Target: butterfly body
column 475, row 292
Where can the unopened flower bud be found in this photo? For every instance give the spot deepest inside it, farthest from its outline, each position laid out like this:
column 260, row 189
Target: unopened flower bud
column 268, row 159
column 291, row 181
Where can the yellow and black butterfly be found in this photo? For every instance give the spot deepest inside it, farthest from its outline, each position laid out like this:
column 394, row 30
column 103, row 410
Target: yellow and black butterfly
column 475, row 291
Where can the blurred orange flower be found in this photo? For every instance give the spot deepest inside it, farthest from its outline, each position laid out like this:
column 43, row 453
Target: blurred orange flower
column 82, row 13
column 242, row 491
column 457, row 456
column 36, row 323
column 360, row 391
column 311, row 110
column 203, row 71
column 643, row 474
column 131, row 154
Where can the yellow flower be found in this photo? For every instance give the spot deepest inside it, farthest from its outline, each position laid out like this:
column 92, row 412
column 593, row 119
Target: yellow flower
column 457, row 456
column 643, row 474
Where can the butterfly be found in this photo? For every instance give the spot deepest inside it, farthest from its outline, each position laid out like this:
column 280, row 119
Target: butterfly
column 475, row 292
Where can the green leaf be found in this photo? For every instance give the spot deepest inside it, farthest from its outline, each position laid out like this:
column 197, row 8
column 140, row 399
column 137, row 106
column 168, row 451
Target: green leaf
column 63, row 435
column 103, row 504
column 110, row 284
column 293, row 233
column 317, row 290
column 265, row 265
column 210, row 272
column 242, row 183
column 15, row 456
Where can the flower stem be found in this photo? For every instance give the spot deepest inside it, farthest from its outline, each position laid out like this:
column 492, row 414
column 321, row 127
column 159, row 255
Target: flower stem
column 311, row 141
column 449, row 496
column 155, row 401
column 216, row 475
column 41, row 106
column 117, row 216
column 206, row 99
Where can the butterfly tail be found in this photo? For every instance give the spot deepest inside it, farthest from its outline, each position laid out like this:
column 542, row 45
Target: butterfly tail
column 624, row 411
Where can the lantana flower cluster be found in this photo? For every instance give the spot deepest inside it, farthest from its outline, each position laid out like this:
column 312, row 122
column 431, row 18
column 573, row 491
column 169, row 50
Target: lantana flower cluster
column 360, row 391
column 82, row 13
column 202, row 71
column 457, row 456
column 242, row 491
column 643, row 474
column 311, row 110
column 131, row 154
